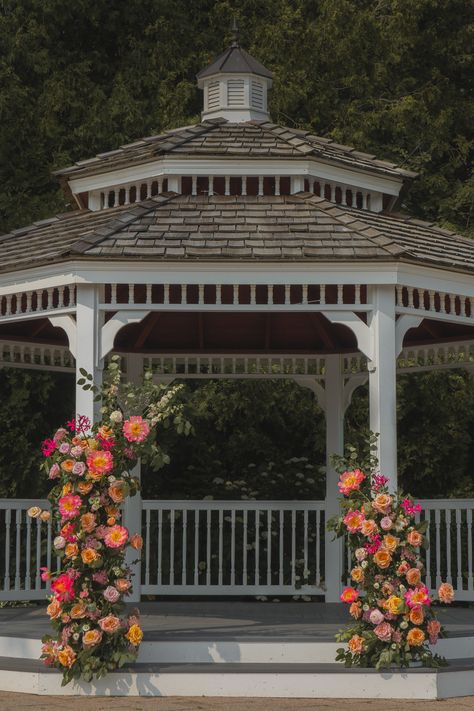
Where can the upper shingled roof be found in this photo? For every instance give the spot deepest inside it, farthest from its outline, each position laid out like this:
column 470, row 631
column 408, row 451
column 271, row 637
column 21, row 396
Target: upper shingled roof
column 235, row 60
column 217, row 137
column 298, row 227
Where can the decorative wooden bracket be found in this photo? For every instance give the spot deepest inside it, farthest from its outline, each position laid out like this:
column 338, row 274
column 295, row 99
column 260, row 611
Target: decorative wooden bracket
column 113, row 326
column 315, row 386
column 402, row 325
column 361, row 331
column 68, row 324
column 350, row 386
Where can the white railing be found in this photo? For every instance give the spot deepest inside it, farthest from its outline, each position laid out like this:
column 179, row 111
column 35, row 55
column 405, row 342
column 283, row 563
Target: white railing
column 233, row 547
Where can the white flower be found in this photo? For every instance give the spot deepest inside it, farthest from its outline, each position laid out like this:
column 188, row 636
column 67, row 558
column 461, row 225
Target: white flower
column 116, row 416
column 394, row 646
column 365, row 607
column 59, row 542
column 76, row 636
column 403, row 625
column 376, row 586
column 364, row 564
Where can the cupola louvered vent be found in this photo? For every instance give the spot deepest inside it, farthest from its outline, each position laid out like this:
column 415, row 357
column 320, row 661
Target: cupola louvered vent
column 257, row 95
column 235, row 92
column 213, row 95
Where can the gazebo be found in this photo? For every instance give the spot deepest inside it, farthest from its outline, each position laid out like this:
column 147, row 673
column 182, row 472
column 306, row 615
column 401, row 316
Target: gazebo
column 238, row 248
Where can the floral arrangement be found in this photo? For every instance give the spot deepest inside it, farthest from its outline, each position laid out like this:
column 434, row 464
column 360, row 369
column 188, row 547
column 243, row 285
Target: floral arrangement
column 393, row 613
column 89, row 466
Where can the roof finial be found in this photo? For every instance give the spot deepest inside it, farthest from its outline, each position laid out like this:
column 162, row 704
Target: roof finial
column 235, row 33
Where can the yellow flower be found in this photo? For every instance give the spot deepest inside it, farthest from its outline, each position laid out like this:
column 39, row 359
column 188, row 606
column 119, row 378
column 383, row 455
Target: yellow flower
column 394, row 604
column 134, row 635
column 390, row 542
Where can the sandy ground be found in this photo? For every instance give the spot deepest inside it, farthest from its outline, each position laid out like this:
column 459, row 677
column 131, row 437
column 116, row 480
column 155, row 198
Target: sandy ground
column 13, row 702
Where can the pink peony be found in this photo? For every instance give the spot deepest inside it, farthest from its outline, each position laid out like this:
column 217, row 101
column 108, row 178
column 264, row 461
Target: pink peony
column 100, row 577
column 100, row 462
column 69, row 506
column 353, row 520
column 376, row 617
column 417, row 596
column 116, row 536
column 54, row 471
column 349, row 595
column 350, row 481
column 386, row 523
column 63, row 588
column 111, row 594
column 136, row 429
column 384, row 631
column 79, row 468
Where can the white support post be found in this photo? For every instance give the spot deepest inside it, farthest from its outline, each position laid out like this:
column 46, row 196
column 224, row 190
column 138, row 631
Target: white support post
column 132, row 512
column 88, row 326
column 334, row 407
column 382, row 381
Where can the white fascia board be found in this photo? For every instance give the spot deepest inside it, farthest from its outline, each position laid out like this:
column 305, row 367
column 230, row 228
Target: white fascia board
column 235, row 166
column 106, row 272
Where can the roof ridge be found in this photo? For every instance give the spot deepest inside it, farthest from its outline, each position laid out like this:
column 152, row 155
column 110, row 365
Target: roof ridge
column 117, row 224
column 205, row 126
column 368, row 231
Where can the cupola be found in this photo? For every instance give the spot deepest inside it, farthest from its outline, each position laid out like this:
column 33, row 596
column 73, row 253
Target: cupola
column 235, row 86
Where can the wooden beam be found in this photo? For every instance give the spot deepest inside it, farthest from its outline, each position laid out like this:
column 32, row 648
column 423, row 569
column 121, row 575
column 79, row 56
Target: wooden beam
column 147, row 329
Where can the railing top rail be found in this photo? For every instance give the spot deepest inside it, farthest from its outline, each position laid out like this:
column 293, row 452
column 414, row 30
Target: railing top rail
column 23, row 503
column 204, row 505
column 446, row 503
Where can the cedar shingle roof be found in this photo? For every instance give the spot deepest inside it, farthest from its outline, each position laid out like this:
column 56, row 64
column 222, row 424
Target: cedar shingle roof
column 235, row 60
column 299, row 227
column 218, row 137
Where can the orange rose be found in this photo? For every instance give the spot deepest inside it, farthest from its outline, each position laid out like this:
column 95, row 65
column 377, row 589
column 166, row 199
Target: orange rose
column 122, row 585
column 355, row 610
column 415, row 538
column 109, row 624
column 111, row 521
column 105, row 432
column 390, row 542
column 382, row 558
column 71, row 550
column 136, row 541
column 413, row 576
column 54, row 609
column 446, row 593
column 91, row 638
column 112, row 511
column 134, row 635
column 84, row 487
column 89, row 555
column 382, row 503
column 93, row 475
column 117, row 490
column 67, row 465
column 368, row 527
column 417, row 616
column 415, row 637
column 357, row 574
column 403, row 567
column 78, row 611
column 88, row 522
column 356, row 644
column 67, row 656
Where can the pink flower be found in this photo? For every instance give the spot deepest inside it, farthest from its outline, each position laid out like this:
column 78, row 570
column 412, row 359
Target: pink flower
column 69, row 506
column 350, row 481
column 81, row 425
column 386, row 523
column 374, row 545
column 376, row 617
column 64, row 448
column 54, row 471
column 378, row 481
column 48, row 447
column 79, row 468
column 116, row 536
column 353, row 520
column 77, row 451
column 410, row 507
column 63, row 588
column 59, row 434
column 396, row 637
column 349, row 595
column 384, row 631
column 360, row 554
column 100, row 577
column 433, row 628
column 446, row 593
column 111, row 594
column 45, row 574
column 417, row 596
column 136, row 429
column 100, row 461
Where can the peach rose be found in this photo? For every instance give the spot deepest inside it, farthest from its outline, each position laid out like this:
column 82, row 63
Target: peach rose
column 413, row 576
column 88, row 522
column 71, row 550
column 122, row 585
column 390, row 542
column 382, row 503
column 91, row 638
column 117, row 490
column 134, row 635
column 111, row 521
column 84, row 487
column 417, row 616
column 403, row 568
column 109, row 624
column 67, row 656
column 415, row 637
column 382, row 558
column 446, row 593
column 356, row 644
column 368, row 527
column 89, row 555
column 433, row 629
column 357, row 574
column 78, row 611
column 415, row 538
column 384, row 631
column 54, row 609
column 136, row 541
column 355, row 610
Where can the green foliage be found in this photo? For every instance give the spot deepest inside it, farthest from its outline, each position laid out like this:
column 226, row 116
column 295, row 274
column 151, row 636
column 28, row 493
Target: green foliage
column 393, row 77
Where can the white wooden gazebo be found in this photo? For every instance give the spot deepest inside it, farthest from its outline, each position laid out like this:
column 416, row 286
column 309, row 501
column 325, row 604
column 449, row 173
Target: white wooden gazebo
column 237, row 248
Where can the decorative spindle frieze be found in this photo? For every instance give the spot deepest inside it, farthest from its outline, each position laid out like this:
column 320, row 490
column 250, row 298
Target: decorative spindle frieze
column 434, row 303
column 27, row 304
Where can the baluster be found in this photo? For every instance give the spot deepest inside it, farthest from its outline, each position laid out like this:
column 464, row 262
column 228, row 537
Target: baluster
column 221, row 546
column 442, row 302
column 447, row 515
column 38, row 555
column 149, row 183
column 28, row 554
column 305, row 541
column 357, row 294
column 196, row 546
column 160, row 547
column 49, row 536
column 459, row 584
column 131, row 294
column 8, row 520
column 18, row 550
column 277, row 184
column 269, row 547
column 201, row 294
column 235, row 295
column 344, row 196
column 172, row 552
column 166, row 294
column 304, row 294
column 340, row 294
column 227, row 185
column 208, row 546
column 260, row 184
column 116, row 197
column 244, row 552
column 293, row 549
column 462, row 306
column 410, row 297
column 29, row 297
column 113, row 294
column 194, row 185
column 147, row 547
column 148, row 296
column 432, row 302
column 244, row 185
column 270, row 294
column 281, row 544
column 399, row 293
column 287, row 293
column 232, row 547
column 184, row 549
column 257, row 547
column 127, row 195
column 218, row 294
column 253, row 290
column 428, row 555
column 322, row 294
column 470, row 570
column 438, row 546
column 8, row 305
column 318, row 547
column 210, row 189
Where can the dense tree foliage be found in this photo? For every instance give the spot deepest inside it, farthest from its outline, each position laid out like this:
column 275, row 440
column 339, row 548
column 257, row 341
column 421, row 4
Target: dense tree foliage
column 393, row 77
